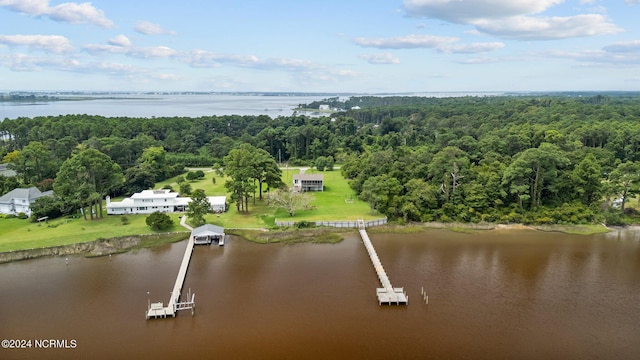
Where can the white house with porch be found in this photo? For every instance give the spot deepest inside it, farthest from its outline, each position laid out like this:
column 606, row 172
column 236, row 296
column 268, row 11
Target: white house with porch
column 163, row 200
column 19, row 200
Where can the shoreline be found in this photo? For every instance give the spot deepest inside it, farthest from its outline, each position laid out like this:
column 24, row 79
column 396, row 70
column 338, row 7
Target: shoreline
column 318, row 235
column 95, row 248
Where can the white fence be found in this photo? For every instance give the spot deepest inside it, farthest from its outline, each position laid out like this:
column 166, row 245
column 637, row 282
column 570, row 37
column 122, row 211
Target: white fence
column 338, row 224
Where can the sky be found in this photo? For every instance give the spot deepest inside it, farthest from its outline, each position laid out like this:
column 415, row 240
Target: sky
column 335, row 46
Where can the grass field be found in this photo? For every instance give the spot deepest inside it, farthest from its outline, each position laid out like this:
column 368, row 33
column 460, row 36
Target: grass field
column 16, row 234
column 329, row 205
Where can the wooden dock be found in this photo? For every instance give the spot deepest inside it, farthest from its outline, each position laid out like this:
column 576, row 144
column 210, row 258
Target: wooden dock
column 387, row 294
column 158, row 310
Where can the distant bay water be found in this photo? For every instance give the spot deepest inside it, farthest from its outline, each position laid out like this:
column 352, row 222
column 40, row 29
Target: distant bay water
column 169, row 105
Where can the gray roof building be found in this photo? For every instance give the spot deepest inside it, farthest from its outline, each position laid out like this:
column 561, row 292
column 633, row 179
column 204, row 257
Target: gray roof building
column 19, row 200
column 5, row 171
column 308, row 182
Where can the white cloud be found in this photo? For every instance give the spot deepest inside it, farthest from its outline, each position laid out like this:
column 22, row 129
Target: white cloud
column 513, row 19
column 151, row 52
column 22, row 62
column 165, row 76
column 71, row 12
column 30, row 7
column 51, row 43
column 631, row 2
column 479, row 61
column 120, row 40
column 381, row 58
column 465, row 11
column 440, row 43
column 206, row 59
column 616, row 54
column 121, row 45
column 406, row 42
column 149, row 28
column 472, row 48
column 532, row 28
column 624, row 47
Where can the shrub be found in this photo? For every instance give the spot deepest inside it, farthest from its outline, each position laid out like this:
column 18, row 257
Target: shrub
column 304, row 224
column 124, row 220
column 22, row 215
column 159, row 221
column 185, row 188
column 168, row 187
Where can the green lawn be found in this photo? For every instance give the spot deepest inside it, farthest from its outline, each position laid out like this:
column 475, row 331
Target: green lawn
column 16, row 234
column 331, row 204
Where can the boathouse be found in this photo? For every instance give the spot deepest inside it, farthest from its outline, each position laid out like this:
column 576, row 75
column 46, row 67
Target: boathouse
column 208, row 234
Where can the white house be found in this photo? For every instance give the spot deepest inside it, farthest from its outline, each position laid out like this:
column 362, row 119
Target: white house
column 323, row 107
column 218, row 203
column 163, row 200
column 19, row 200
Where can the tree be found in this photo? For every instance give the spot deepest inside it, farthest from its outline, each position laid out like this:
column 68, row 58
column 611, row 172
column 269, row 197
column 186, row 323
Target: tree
column 324, row 163
column 246, row 165
column 159, row 221
column 198, row 207
column 154, row 159
column 625, row 181
column 138, row 178
column 447, row 169
column 289, row 201
column 379, row 191
column 419, row 198
column 34, row 163
column 265, row 170
column 195, row 175
column 185, row 188
column 46, row 206
column 586, row 180
column 85, row 178
column 320, row 163
column 534, row 170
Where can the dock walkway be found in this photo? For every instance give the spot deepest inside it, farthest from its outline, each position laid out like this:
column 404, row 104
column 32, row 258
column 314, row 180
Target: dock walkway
column 158, row 310
column 387, row 294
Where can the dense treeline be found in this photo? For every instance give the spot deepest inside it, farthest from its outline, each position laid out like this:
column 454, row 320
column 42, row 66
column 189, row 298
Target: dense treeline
column 509, row 159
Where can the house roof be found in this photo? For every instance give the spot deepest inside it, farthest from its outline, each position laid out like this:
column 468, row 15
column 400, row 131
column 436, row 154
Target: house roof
column 217, row 200
column 207, row 229
column 5, row 171
column 314, row 177
column 30, row 194
column 155, row 194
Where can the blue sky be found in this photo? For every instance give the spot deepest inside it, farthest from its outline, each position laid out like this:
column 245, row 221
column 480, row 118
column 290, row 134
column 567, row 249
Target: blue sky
column 320, row 45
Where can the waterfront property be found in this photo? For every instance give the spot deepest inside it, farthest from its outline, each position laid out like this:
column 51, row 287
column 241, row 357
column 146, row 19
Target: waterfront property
column 208, row 234
column 162, row 200
column 19, row 200
column 308, row 182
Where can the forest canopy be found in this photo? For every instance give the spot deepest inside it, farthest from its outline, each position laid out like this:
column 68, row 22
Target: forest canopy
column 543, row 159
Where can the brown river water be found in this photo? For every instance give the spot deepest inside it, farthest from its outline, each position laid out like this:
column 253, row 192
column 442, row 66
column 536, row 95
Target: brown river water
column 499, row 294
